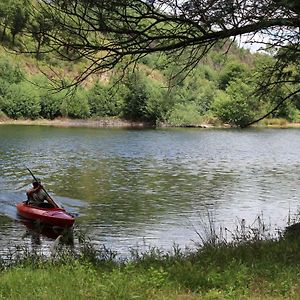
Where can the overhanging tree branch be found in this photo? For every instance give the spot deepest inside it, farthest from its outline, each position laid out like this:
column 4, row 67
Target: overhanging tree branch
column 129, row 28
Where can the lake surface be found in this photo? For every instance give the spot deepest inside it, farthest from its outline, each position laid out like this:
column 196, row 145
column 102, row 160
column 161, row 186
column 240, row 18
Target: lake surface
column 134, row 188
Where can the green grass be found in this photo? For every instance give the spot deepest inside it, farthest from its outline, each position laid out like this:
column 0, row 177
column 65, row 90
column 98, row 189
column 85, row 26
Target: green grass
column 244, row 270
column 279, row 122
column 80, row 281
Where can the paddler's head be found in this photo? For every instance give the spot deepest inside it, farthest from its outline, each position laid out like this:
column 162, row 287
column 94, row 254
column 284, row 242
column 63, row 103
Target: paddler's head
column 36, row 182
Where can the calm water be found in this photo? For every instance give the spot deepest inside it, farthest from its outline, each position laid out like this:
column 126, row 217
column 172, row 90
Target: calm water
column 134, row 188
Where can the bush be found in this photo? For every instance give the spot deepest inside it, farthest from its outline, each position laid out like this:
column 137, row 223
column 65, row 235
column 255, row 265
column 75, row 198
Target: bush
column 144, row 100
column 235, row 106
column 157, row 103
column 231, row 72
column 4, row 87
column 50, row 99
column 295, row 115
column 195, row 89
column 75, row 105
column 21, row 101
column 105, row 101
column 51, row 103
column 184, row 115
column 136, row 98
column 287, row 110
column 9, row 72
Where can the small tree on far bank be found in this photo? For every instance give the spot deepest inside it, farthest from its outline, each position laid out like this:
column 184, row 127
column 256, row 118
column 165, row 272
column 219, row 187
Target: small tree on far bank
column 235, row 105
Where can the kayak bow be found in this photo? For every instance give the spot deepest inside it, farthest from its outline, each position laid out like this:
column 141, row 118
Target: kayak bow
column 51, row 216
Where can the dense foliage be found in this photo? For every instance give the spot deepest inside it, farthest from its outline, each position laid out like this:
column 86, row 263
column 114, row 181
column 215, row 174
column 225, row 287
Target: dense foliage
column 222, row 88
column 208, row 94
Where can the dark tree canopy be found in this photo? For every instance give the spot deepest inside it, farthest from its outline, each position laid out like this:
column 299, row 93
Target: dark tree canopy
column 109, row 32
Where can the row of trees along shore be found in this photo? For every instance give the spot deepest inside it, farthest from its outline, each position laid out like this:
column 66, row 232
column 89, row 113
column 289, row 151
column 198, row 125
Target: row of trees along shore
column 223, row 84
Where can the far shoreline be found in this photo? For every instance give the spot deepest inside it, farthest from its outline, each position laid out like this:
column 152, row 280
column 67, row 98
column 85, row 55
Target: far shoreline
column 111, row 122
column 90, row 123
column 95, row 123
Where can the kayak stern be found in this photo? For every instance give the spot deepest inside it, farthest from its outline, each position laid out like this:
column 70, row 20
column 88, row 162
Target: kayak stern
column 50, row 216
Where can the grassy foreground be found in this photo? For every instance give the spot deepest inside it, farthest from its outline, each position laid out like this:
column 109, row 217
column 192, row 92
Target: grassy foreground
column 244, row 270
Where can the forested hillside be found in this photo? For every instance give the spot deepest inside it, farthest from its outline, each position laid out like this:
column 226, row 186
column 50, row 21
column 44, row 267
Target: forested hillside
column 220, row 89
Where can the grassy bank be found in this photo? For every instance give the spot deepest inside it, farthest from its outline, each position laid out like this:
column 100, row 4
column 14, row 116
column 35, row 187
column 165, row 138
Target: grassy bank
column 254, row 269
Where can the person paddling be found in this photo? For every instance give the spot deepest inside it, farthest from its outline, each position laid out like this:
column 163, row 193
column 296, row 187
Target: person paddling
column 37, row 196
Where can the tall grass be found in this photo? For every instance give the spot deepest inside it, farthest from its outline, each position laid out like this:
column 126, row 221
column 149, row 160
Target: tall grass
column 252, row 264
column 277, row 122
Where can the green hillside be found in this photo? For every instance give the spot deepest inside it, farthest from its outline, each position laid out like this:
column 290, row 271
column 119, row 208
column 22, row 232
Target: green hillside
column 220, row 89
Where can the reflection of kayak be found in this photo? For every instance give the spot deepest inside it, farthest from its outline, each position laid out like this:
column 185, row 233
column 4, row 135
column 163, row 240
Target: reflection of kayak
column 51, row 232
column 53, row 216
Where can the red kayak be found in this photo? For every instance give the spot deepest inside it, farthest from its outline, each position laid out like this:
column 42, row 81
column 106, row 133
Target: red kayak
column 53, row 216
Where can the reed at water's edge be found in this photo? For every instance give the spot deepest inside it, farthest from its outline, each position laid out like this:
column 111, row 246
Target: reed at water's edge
column 252, row 265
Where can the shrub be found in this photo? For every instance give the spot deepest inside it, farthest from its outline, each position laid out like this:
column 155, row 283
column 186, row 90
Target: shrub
column 105, row 101
column 295, row 115
column 50, row 99
column 135, row 100
column 287, row 110
column 75, row 105
column 184, row 115
column 4, row 86
column 197, row 90
column 231, row 72
column 144, row 99
column 9, row 72
column 157, row 104
column 21, row 101
column 235, row 106
column 50, row 104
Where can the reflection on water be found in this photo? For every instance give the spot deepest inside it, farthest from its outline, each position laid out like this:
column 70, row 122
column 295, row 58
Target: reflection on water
column 132, row 187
